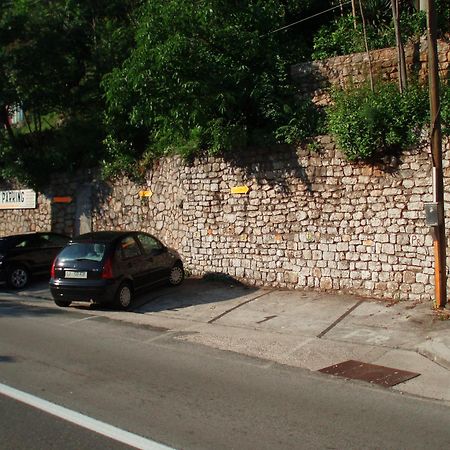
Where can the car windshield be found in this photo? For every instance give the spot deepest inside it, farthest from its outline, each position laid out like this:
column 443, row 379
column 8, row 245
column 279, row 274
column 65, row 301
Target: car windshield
column 83, row 251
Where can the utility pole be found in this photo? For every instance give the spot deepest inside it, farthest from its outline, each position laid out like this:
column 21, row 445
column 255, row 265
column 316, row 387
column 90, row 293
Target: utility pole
column 436, row 154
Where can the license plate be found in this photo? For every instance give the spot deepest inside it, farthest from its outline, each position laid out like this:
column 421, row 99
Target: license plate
column 76, row 274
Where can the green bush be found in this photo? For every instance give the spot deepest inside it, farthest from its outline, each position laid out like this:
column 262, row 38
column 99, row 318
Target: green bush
column 368, row 125
column 445, row 108
column 341, row 38
column 338, row 38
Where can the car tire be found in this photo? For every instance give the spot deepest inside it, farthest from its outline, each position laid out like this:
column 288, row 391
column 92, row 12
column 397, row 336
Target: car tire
column 18, row 277
column 124, row 296
column 62, row 303
column 176, row 275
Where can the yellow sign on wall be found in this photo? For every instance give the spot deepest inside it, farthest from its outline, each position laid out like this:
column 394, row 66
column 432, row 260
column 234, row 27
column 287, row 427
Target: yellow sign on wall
column 148, row 193
column 240, row 189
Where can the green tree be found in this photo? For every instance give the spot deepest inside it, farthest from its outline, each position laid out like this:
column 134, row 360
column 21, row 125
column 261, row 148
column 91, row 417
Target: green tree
column 53, row 55
column 206, row 75
column 338, row 36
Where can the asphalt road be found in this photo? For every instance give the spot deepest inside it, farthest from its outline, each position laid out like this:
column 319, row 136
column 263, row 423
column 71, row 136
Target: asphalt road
column 186, row 396
column 24, row 428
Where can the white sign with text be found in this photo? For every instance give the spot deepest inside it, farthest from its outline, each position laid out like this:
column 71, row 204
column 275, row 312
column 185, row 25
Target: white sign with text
column 20, row 199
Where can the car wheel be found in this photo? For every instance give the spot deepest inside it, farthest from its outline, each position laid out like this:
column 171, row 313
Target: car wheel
column 176, row 275
column 124, row 296
column 18, row 277
column 63, row 303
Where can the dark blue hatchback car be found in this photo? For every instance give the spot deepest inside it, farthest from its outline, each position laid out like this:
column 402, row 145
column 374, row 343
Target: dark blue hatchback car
column 111, row 266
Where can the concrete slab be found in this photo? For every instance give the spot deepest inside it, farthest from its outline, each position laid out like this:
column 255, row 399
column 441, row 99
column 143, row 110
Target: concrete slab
column 370, row 335
column 400, row 316
column 320, row 353
column 307, row 314
column 433, row 381
column 196, row 300
column 437, row 349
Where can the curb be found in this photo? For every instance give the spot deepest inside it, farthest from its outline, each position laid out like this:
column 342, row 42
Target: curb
column 436, row 352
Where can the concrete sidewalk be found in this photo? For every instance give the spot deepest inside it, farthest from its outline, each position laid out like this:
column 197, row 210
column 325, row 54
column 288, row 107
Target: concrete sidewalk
column 299, row 328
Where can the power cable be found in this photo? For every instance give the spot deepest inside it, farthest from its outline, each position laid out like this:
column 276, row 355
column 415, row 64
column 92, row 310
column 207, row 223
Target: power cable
column 306, row 18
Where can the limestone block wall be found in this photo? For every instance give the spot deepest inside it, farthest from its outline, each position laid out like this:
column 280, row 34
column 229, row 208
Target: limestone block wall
column 48, row 215
column 315, row 77
column 308, row 220
column 118, row 205
column 25, row 220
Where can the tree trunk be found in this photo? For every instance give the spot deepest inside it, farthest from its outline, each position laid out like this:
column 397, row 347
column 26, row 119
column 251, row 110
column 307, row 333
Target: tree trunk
column 372, row 87
column 4, row 119
column 354, row 13
column 402, row 77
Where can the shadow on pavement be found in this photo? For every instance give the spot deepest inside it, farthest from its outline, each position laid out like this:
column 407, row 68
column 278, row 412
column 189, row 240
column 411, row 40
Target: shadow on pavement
column 213, row 288
column 7, row 359
column 9, row 309
column 192, row 292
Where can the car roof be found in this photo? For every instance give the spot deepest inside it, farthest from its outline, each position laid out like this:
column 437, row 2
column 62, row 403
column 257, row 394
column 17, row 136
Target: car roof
column 30, row 233
column 102, row 236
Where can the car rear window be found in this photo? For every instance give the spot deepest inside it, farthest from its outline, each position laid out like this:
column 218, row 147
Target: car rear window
column 6, row 243
column 3, row 245
column 83, row 251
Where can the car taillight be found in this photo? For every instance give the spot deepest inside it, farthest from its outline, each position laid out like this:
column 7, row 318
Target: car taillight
column 52, row 270
column 107, row 272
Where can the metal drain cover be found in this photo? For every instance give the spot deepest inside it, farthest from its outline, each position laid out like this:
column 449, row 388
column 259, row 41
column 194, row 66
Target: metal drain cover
column 357, row 370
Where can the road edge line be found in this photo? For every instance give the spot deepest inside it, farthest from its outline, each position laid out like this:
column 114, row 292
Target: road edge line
column 81, row 420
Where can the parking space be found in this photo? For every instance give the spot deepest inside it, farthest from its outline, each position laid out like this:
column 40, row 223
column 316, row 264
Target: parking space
column 195, row 299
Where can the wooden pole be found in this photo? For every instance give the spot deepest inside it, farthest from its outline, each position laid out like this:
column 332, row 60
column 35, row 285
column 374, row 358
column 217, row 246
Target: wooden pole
column 436, row 154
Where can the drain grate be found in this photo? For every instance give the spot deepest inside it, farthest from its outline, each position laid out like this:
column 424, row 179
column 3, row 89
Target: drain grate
column 357, row 370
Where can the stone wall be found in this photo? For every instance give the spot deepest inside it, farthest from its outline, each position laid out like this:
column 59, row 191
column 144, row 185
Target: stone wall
column 48, row 215
column 309, row 220
column 343, row 71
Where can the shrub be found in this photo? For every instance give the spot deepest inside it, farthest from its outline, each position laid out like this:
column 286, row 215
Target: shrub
column 341, row 38
column 369, row 125
column 445, row 108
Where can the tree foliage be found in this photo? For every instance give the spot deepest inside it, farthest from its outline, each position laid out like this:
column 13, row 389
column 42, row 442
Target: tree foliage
column 53, row 55
column 339, row 36
column 121, row 82
column 369, row 125
column 205, row 75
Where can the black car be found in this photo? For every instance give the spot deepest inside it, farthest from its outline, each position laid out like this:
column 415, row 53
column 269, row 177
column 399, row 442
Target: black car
column 25, row 255
column 111, row 266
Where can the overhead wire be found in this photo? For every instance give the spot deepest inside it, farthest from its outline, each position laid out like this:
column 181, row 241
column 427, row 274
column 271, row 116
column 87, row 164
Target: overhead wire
column 306, row 18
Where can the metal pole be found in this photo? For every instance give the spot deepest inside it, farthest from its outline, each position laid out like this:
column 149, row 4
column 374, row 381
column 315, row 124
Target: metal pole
column 436, row 154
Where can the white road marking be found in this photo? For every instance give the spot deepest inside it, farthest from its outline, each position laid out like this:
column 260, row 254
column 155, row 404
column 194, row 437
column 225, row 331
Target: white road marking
column 80, row 320
column 81, row 420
